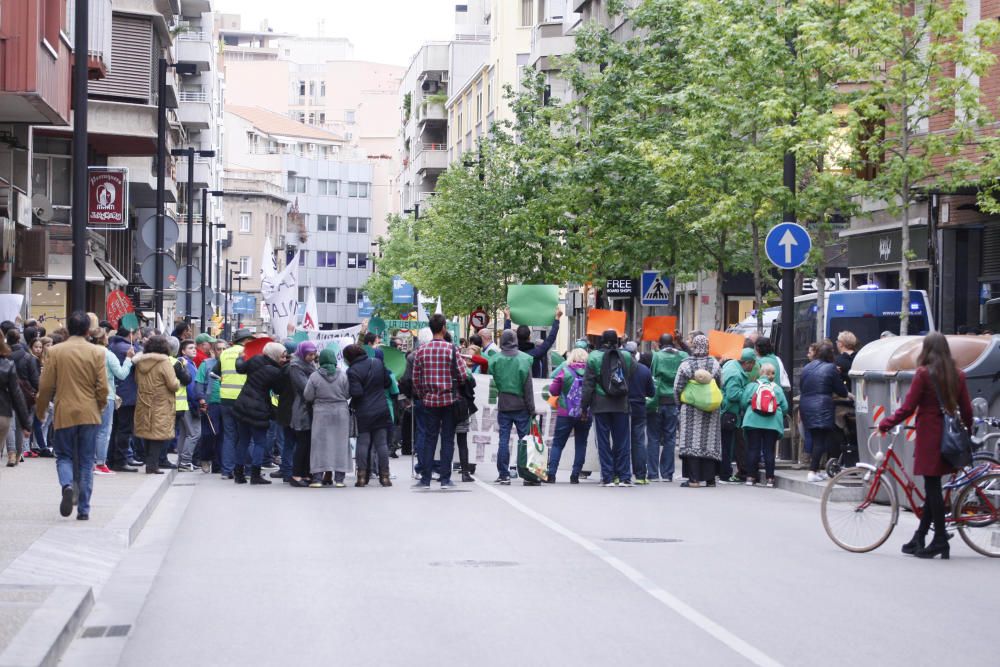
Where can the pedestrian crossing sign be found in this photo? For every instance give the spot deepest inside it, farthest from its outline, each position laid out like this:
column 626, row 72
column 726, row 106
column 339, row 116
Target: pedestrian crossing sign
column 655, row 289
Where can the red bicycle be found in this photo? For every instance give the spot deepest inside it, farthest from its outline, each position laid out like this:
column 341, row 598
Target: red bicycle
column 860, row 505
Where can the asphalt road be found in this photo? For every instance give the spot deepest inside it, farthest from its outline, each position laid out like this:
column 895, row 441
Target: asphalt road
column 514, row 575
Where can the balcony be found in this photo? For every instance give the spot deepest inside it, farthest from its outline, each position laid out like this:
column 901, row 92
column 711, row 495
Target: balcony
column 195, row 111
column 547, row 41
column 196, row 47
column 142, row 181
column 430, row 158
column 99, row 37
column 203, row 177
column 433, row 112
column 121, row 128
column 195, row 8
column 34, row 75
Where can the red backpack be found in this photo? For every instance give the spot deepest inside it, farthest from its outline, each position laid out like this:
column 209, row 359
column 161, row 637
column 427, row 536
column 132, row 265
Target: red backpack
column 764, row 402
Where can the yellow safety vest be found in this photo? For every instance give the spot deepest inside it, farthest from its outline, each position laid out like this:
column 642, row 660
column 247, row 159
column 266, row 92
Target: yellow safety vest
column 181, row 397
column 232, row 382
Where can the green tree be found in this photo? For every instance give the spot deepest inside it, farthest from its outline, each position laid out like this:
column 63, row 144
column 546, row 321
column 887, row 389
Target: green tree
column 921, row 106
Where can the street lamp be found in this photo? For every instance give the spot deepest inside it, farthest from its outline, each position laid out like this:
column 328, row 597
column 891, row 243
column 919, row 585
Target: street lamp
column 229, row 290
column 212, row 268
column 190, row 153
column 78, row 289
column 161, row 170
column 205, row 277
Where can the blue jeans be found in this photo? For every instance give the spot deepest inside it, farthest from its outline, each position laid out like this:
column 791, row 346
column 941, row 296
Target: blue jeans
column 660, row 462
column 75, row 448
column 420, row 436
column 39, row 431
column 251, row 442
column 229, row 437
column 580, row 428
column 522, row 420
column 613, row 426
column 638, row 437
column 438, row 421
column 208, row 446
column 275, row 441
column 104, row 431
column 287, row 452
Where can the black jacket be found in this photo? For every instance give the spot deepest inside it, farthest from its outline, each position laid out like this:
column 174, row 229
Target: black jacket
column 27, row 365
column 820, row 380
column 369, row 381
column 11, row 399
column 264, row 375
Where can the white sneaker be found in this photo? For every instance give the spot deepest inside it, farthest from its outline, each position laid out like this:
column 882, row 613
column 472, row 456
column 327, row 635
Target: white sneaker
column 815, row 477
column 824, row 475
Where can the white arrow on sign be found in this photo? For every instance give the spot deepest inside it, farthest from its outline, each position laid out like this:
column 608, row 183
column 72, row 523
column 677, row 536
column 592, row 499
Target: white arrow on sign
column 788, row 242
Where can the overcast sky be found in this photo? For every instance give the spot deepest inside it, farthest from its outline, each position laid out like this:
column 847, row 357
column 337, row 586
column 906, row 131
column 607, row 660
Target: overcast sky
column 385, row 31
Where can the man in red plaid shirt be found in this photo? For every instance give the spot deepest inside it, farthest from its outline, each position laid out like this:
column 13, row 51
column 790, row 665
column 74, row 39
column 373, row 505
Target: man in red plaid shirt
column 438, row 371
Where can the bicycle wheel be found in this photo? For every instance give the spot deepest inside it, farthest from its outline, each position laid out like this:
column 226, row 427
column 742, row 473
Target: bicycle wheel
column 833, row 466
column 977, row 515
column 859, row 509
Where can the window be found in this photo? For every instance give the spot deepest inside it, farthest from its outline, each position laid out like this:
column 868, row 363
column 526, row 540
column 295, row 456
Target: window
column 479, row 107
column 327, row 223
column 312, row 118
column 353, row 295
column 329, row 188
column 296, row 183
column 246, row 222
column 322, row 88
column 357, row 225
column 245, row 266
column 326, row 259
column 357, row 260
column 302, row 258
column 527, row 15
column 349, row 116
column 326, row 295
column 53, row 18
column 302, row 88
column 322, row 118
column 51, row 176
column 312, row 88
column 357, row 190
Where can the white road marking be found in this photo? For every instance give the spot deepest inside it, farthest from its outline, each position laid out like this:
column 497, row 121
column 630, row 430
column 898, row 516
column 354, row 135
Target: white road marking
column 748, row 651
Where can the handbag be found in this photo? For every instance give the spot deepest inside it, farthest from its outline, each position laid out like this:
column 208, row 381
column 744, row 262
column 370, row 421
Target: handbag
column 956, row 442
column 706, row 397
column 463, row 407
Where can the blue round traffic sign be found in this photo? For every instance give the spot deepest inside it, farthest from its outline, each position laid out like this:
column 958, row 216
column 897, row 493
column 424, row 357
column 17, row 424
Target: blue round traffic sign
column 788, row 245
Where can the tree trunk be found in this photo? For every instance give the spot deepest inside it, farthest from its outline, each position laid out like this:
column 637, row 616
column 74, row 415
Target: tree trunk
column 720, row 299
column 904, row 235
column 821, row 286
column 758, row 278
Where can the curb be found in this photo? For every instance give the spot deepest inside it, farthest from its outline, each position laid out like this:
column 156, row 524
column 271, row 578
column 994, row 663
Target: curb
column 50, row 629
column 786, row 482
column 75, row 565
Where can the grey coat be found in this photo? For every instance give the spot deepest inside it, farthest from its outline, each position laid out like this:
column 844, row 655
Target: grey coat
column 299, row 373
column 331, row 422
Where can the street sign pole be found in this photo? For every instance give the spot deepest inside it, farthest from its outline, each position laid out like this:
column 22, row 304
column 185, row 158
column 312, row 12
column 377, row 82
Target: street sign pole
column 788, row 275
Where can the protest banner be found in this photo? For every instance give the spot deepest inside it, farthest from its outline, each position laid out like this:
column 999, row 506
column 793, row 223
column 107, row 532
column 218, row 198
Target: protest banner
column 533, row 305
column 599, row 321
column 655, row 326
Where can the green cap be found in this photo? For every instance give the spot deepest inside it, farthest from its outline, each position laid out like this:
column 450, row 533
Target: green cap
column 204, row 338
column 748, row 355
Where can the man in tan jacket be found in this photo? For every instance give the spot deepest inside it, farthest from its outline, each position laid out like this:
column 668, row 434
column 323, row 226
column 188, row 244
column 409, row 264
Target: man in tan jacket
column 75, row 368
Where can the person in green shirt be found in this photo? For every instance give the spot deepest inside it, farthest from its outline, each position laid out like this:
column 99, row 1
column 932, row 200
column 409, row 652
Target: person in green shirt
column 736, row 374
column 662, row 429
column 763, row 430
column 511, row 371
column 209, row 381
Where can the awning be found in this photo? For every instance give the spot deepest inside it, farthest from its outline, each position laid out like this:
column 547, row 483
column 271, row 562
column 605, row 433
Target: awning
column 60, row 267
column 117, row 280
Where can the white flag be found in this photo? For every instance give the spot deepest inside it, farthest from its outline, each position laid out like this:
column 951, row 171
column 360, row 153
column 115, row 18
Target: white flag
column 437, row 310
column 310, row 320
column 281, row 294
column 421, row 313
column 268, row 267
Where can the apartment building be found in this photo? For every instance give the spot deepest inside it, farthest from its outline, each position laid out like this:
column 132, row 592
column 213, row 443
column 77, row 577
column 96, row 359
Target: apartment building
column 329, row 223
column 317, row 82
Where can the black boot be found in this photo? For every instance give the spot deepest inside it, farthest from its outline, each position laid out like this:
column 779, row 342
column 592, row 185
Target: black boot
column 362, row 478
column 915, row 544
column 384, row 480
column 153, row 458
column 937, row 546
column 238, row 475
column 256, row 477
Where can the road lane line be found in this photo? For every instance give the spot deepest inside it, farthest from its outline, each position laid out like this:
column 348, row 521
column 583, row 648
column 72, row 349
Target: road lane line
column 748, row 651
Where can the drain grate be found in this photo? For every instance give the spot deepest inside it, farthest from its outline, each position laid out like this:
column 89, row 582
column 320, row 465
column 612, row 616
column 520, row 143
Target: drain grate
column 98, row 631
column 474, row 563
column 183, row 484
column 644, row 540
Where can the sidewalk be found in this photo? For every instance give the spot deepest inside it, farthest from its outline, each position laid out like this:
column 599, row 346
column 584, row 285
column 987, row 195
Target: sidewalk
column 51, row 567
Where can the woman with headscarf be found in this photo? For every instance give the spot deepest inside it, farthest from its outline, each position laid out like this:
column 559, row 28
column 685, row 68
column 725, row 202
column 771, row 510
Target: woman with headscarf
column 328, row 391
column 699, row 436
column 302, row 368
column 254, row 409
column 368, row 381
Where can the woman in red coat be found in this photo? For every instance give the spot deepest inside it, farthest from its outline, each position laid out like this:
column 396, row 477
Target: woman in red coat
column 936, row 374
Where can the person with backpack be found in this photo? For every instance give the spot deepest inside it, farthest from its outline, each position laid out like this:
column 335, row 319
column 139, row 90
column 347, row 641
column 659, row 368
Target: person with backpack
column 763, row 422
column 511, row 371
column 640, row 388
column 699, row 434
column 735, row 377
column 571, row 417
column 605, row 395
column 661, row 445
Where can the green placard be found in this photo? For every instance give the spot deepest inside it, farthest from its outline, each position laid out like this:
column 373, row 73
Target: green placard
column 395, row 360
column 377, row 326
column 533, row 305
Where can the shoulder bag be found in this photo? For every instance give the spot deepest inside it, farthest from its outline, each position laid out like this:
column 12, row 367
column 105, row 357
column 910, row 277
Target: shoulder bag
column 956, row 442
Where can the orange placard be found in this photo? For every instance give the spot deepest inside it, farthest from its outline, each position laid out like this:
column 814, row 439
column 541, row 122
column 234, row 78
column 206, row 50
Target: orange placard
column 599, row 321
column 725, row 345
column 655, row 326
